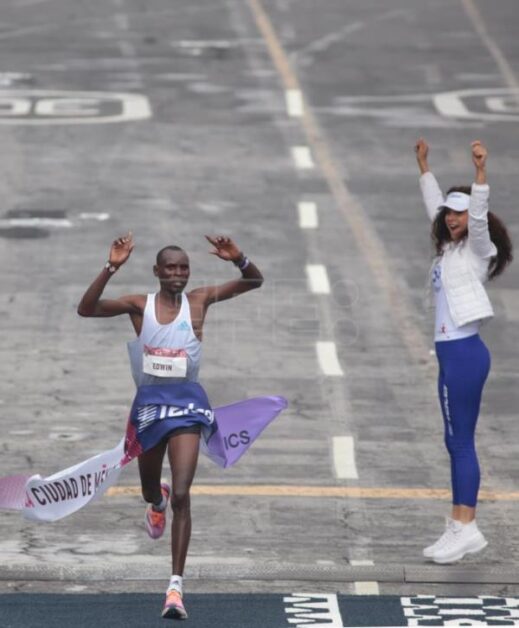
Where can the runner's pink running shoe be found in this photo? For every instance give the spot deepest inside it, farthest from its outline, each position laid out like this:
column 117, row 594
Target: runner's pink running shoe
column 155, row 521
column 173, row 606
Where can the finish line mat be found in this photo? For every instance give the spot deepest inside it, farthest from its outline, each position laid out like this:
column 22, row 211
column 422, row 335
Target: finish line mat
column 296, row 610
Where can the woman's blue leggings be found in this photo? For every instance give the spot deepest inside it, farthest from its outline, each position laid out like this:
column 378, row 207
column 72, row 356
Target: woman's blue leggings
column 464, row 366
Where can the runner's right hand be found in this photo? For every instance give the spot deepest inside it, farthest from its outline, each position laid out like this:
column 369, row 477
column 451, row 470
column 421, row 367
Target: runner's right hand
column 121, row 249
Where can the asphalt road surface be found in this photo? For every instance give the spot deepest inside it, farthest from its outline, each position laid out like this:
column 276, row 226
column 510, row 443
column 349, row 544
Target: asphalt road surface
column 289, row 125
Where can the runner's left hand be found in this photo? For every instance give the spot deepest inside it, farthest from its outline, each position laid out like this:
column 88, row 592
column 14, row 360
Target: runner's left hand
column 225, row 248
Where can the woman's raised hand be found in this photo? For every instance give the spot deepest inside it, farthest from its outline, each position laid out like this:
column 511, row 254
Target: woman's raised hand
column 421, row 150
column 479, row 154
column 479, row 158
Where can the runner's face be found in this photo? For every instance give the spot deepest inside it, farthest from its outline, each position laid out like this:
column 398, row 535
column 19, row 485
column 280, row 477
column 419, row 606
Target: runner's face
column 172, row 271
column 457, row 223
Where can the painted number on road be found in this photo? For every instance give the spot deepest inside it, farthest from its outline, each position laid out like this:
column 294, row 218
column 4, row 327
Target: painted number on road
column 479, row 104
column 69, row 107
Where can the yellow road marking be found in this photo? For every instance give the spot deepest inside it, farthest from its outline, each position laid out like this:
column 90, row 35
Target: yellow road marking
column 273, row 490
column 369, row 242
column 277, row 53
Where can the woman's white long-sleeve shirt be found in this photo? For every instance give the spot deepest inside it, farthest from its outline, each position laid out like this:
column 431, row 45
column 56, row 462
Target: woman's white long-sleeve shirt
column 464, row 265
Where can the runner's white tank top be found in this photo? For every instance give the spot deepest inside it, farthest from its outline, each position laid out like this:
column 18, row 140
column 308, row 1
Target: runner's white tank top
column 162, row 354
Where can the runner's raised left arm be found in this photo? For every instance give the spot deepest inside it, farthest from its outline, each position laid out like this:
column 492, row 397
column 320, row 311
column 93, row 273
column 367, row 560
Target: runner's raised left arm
column 251, row 277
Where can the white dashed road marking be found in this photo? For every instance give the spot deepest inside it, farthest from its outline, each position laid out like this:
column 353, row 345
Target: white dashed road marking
column 308, row 217
column 344, row 458
column 93, row 216
column 302, row 157
column 328, row 360
column 36, row 222
column 365, row 587
column 294, row 100
column 318, row 279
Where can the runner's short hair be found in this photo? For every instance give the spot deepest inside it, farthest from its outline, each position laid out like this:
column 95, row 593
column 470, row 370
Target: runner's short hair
column 170, row 247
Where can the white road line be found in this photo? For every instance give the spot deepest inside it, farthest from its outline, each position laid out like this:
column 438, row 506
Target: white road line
column 450, row 105
column 36, row 222
column 459, row 600
column 302, row 157
column 51, row 222
column 76, row 588
column 361, row 563
column 327, row 357
column 308, row 218
column 344, row 458
column 318, row 279
column 133, row 107
column 102, row 216
column 365, row 587
column 294, row 100
column 8, row 79
column 497, row 104
column 328, row 563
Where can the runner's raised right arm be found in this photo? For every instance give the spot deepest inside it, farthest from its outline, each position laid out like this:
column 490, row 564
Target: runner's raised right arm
column 91, row 304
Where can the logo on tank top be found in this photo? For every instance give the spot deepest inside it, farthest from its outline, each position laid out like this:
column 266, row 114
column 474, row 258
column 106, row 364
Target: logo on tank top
column 184, row 326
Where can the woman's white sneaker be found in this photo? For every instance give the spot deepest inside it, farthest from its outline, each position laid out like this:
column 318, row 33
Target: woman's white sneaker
column 464, row 538
column 430, row 550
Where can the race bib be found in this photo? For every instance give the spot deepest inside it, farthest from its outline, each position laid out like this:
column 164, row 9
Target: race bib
column 162, row 362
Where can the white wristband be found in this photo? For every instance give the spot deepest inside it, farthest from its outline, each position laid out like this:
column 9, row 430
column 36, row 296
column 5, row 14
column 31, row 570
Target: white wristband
column 111, row 268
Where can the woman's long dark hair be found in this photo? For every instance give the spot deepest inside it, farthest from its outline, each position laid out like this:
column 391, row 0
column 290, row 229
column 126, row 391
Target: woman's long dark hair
column 498, row 234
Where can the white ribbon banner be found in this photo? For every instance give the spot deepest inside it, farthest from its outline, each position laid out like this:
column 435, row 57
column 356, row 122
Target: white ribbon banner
column 65, row 492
